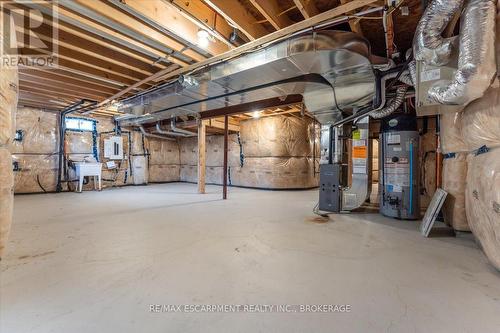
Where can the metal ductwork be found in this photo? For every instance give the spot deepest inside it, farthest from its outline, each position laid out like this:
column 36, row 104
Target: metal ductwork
column 150, row 135
column 476, row 60
column 332, row 70
column 175, row 129
column 158, row 129
column 429, row 45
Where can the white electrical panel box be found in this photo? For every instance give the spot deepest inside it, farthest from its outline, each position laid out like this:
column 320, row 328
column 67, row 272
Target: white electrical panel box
column 113, row 148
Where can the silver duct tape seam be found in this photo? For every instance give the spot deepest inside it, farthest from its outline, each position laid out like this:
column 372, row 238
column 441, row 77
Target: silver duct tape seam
column 476, row 62
column 428, row 45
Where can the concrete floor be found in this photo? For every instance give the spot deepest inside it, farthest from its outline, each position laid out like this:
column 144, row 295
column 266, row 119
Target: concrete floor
column 94, row 262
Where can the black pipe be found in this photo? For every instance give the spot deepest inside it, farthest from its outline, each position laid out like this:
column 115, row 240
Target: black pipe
column 62, row 130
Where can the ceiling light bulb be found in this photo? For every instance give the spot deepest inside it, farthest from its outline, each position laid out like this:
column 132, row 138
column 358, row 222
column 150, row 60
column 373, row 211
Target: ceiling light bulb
column 256, row 114
column 203, row 38
column 202, row 33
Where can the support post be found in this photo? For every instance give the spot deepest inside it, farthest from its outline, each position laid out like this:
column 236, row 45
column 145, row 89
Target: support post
column 226, row 148
column 201, row 156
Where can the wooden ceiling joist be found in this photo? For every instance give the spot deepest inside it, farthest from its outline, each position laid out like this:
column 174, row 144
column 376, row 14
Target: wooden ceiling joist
column 119, row 70
column 168, row 20
column 41, row 100
column 69, row 19
column 95, row 70
column 35, row 89
column 105, row 53
column 59, row 86
column 238, row 15
column 271, row 11
column 354, row 24
column 306, row 8
column 72, row 78
column 112, row 18
column 204, row 17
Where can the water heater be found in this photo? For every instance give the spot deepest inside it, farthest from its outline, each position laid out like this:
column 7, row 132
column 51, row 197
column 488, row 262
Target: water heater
column 399, row 183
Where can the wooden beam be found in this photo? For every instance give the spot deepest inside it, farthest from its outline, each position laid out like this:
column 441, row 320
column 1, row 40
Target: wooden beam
column 241, row 108
column 202, row 166
column 216, row 123
column 354, row 24
column 234, row 12
column 306, row 8
column 320, row 18
column 389, row 37
column 270, row 10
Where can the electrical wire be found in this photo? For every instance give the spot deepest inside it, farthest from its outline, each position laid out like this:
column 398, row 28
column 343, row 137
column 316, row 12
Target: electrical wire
column 389, row 12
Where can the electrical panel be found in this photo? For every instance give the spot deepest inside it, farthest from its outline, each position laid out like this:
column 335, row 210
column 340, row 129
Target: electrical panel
column 113, row 148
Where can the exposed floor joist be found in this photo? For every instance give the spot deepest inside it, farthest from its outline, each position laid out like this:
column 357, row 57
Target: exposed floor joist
column 270, row 10
column 238, row 15
column 306, row 8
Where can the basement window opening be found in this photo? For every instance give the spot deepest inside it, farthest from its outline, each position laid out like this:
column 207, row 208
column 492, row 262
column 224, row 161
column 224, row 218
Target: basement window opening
column 79, row 124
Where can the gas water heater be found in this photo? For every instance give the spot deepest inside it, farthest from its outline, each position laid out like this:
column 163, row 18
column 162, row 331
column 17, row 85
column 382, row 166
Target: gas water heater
column 399, row 183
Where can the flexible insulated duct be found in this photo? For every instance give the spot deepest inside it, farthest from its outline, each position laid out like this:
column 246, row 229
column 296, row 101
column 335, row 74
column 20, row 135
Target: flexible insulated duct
column 428, row 45
column 395, row 104
column 476, row 60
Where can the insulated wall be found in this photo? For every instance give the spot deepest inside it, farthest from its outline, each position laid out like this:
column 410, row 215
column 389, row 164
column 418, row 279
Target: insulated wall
column 214, row 158
column 454, row 152
column 276, row 152
column 164, row 160
column 8, row 103
column 35, row 154
column 280, row 152
column 480, row 122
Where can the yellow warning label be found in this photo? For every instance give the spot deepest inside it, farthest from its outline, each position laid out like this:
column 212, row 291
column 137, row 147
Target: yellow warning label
column 359, row 152
column 356, row 134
